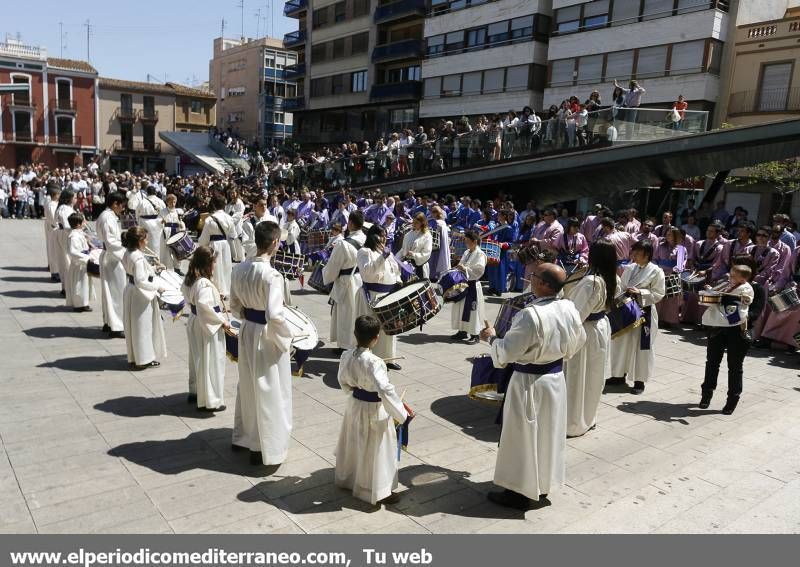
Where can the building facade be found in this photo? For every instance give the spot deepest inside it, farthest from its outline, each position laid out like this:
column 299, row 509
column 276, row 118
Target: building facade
column 56, row 123
column 254, row 82
column 195, row 109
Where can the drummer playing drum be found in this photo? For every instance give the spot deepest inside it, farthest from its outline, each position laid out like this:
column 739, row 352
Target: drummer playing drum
column 468, row 313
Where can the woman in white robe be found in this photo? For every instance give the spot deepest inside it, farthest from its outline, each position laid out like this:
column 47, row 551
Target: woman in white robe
column 206, row 332
column 50, row 231
column 78, row 285
column 472, row 264
column 380, row 275
column 147, row 215
column 218, row 230
column 63, row 210
column 418, row 245
column 172, row 225
column 632, row 353
column 588, row 370
column 263, row 419
column 292, row 233
column 144, row 330
column 439, row 262
column 235, row 210
column 366, row 454
column 112, row 272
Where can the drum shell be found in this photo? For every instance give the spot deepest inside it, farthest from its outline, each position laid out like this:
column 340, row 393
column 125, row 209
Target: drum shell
column 316, row 282
column 508, row 310
column 784, row 301
column 181, row 245
column 492, row 251
column 626, row 316
column 673, row 285
column 709, row 297
column 232, row 344
column 454, row 285
column 405, row 309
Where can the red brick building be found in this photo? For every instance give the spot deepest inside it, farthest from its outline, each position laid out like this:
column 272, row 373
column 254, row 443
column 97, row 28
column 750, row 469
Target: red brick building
column 57, row 123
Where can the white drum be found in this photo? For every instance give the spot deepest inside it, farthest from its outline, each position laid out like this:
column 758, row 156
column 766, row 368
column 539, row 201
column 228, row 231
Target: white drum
column 172, row 299
column 304, row 331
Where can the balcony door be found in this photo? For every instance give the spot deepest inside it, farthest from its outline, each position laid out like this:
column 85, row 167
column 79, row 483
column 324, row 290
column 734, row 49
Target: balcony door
column 773, row 92
column 23, row 131
column 149, row 104
column 64, row 129
column 126, row 135
column 22, row 99
column 63, row 93
column 126, row 103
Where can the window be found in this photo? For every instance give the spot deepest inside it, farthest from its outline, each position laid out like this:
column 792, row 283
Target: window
column 562, row 72
column 619, row 65
column 595, row 14
column 339, row 11
column 413, row 73
column 338, row 84
column 498, row 32
column 568, row 19
column 358, row 81
column 126, row 134
column 652, row 61
column 126, row 102
column 590, row 69
column 338, row 48
column 64, row 129
column 476, row 39
column 714, row 56
column 319, row 52
column 321, row 87
column 455, row 42
column 360, row 8
column 149, row 136
column 517, row 78
column 402, row 118
column 280, row 61
column 451, row 85
column 269, row 61
column 291, row 90
column 22, row 126
column 197, row 106
column 319, row 18
column 471, row 83
column 149, row 104
column 522, row 27
column 625, row 12
column 774, row 87
column 493, row 80
column 359, row 43
column 435, row 45
column 278, row 118
column 687, row 57
column 63, row 90
column 687, row 6
column 433, row 87
column 657, row 9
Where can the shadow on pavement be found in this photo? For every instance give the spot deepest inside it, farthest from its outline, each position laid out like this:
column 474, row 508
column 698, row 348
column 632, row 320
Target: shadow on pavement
column 475, row 418
column 141, row 406
column 108, row 363
column 31, row 293
column 64, row 332
column 666, row 412
column 424, row 339
column 43, row 309
column 24, row 269
column 27, row 279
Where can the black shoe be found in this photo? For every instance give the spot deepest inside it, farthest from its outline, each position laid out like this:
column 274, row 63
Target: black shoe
column 705, row 399
column 461, row 335
column 213, row 410
column 106, row 329
column 638, row 388
column 191, row 399
column 116, row 335
column 62, row 293
column 613, row 381
column 54, row 278
column 730, row 405
column 473, row 340
column 393, row 366
column 153, row 364
column 255, row 458
column 510, row 499
column 761, row 343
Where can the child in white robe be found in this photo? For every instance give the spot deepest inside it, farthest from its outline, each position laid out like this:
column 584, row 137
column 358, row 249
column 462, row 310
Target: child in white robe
column 472, row 264
column 78, row 285
column 366, row 454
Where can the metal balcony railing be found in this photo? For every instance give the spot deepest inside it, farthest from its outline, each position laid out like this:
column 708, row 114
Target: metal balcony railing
column 404, row 90
column 148, row 115
column 66, row 140
column 125, row 114
column 22, row 137
column 406, row 49
column 399, row 9
column 293, row 8
column 770, row 100
column 20, row 101
column 294, row 39
column 63, row 105
column 136, row 146
column 295, row 103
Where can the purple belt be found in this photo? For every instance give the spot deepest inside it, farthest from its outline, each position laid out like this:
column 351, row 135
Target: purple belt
column 596, row 316
column 255, row 316
column 549, row 368
column 216, row 238
column 193, row 309
column 365, row 396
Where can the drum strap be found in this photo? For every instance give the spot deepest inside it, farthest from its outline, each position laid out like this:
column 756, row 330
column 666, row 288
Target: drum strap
column 149, row 217
column 377, row 288
column 255, row 316
column 470, row 301
column 219, row 226
column 217, row 238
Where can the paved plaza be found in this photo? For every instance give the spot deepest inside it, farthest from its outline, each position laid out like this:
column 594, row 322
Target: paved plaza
column 88, row 446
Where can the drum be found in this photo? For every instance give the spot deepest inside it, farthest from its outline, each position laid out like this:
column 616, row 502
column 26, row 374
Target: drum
column 437, row 239
column 232, row 341
column 181, row 245
column 290, row 265
column 93, row 266
column 626, row 316
column 454, row 285
column 317, row 239
column 410, row 306
column 457, row 246
column 691, row 282
column 316, row 282
column 785, row 300
column 201, row 221
column 673, row 285
column 709, row 297
column 304, row 332
column 407, row 271
column 319, row 256
column 172, row 299
column 487, row 382
column 127, row 220
column 492, row 250
column 508, row 310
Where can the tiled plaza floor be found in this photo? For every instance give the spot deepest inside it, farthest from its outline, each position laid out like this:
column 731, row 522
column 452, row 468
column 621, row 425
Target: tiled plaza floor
column 88, row 446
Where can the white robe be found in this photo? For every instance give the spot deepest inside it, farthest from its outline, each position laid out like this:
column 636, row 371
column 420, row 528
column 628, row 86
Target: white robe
column 474, row 264
column 588, row 370
column 206, row 344
column 263, row 420
column 134, row 198
column 345, row 288
column 375, row 268
column 418, row 246
column 530, row 459
column 171, row 216
column 292, row 237
column 144, row 330
column 222, row 269
column 112, row 272
column 61, row 240
column 236, row 211
column 78, row 284
column 366, row 454
column 249, row 233
column 50, row 232
column 151, row 205
column 443, row 261
column 627, row 357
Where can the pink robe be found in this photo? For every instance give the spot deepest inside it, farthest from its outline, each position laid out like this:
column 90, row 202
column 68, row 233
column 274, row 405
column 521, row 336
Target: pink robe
column 672, row 260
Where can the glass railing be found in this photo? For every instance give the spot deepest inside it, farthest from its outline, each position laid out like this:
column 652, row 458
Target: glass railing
column 294, row 38
column 461, row 148
column 399, row 9
column 293, row 7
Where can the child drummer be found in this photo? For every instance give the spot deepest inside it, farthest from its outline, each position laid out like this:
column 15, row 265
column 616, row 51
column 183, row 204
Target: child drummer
column 367, row 455
column 467, row 315
column 727, row 330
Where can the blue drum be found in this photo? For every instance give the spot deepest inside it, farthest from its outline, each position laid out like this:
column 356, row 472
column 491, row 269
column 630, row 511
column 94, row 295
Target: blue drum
column 454, row 284
column 626, row 316
column 232, row 341
column 316, row 282
column 407, row 271
column 487, row 382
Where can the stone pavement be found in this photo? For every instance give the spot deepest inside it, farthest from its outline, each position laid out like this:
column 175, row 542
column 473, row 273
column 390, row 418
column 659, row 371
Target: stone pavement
column 88, row 446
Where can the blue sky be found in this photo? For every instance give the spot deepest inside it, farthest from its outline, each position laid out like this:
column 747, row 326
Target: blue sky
column 131, row 39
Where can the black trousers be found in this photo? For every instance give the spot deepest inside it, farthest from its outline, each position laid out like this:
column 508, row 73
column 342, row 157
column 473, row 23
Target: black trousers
column 721, row 339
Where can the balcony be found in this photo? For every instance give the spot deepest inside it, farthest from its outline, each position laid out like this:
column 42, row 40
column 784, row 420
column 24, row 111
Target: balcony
column 292, row 104
column 293, row 8
column 294, row 72
column 21, row 102
column 63, row 105
column 401, row 91
column 294, row 39
column 148, row 115
column 406, row 49
column 135, row 147
column 125, row 114
column 22, row 137
column 399, row 10
column 68, row 139
column 786, row 100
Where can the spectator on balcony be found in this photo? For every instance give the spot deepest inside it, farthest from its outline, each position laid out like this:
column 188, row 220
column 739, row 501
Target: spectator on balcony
column 529, row 127
column 679, row 107
column 406, row 139
column 510, row 124
column 495, row 133
column 631, row 101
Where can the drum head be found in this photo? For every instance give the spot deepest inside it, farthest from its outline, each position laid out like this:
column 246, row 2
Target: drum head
column 409, row 290
column 177, row 237
column 172, row 297
column 303, row 329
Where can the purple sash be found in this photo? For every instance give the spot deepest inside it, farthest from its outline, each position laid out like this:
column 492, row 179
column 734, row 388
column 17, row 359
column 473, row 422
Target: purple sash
column 644, row 341
column 470, row 301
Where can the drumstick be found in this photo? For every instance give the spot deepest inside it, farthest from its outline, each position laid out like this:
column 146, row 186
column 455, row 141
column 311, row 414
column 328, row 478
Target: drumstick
column 394, row 358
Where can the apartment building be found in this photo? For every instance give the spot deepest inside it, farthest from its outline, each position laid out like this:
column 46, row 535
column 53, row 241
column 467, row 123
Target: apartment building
column 55, row 123
column 483, row 57
column 361, row 67
column 195, row 109
column 254, row 81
